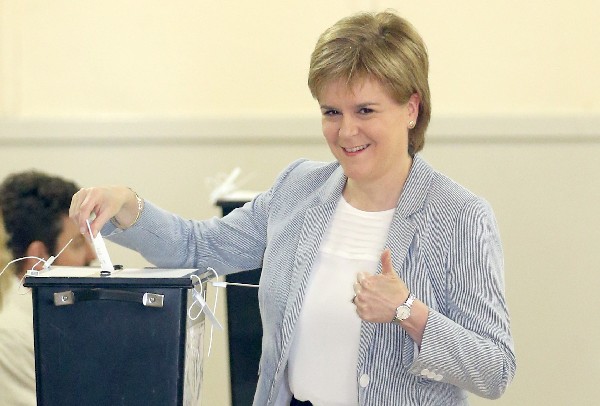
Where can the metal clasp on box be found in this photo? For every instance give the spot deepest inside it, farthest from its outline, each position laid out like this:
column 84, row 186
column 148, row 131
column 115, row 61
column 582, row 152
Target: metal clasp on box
column 153, row 300
column 64, row 298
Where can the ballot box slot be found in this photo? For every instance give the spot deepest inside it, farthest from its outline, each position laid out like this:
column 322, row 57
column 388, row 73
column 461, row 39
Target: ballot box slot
column 70, row 297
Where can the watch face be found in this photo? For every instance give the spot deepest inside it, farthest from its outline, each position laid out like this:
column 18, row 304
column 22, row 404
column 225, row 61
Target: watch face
column 402, row 313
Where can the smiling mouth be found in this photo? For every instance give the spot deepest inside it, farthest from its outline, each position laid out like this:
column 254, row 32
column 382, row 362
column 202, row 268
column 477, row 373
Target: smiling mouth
column 356, row 149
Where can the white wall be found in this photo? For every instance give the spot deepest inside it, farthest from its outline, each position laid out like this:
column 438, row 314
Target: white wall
column 161, row 95
column 67, row 59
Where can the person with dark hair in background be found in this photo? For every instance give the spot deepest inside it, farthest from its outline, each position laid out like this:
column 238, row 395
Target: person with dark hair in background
column 34, row 208
column 382, row 280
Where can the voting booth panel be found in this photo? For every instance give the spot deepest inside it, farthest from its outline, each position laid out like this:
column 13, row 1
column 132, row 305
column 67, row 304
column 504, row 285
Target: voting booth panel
column 125, row 339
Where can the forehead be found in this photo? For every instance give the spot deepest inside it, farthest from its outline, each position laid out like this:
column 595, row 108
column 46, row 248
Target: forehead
column 69, row 229
column 357, row 89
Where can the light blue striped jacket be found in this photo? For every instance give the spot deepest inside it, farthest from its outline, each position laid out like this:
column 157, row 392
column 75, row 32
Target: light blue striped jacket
column 445, row 245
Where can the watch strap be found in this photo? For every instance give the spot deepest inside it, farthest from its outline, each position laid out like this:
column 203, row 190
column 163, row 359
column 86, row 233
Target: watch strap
column 407, row 304
column 409, row 301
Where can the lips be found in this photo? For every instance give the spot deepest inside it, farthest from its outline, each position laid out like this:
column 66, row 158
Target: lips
column 356, row 149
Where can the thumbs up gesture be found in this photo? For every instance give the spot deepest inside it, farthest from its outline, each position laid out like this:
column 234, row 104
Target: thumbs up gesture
column 377, row 296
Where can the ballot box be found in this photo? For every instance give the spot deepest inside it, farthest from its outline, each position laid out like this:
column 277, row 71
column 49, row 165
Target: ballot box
column 122, row 339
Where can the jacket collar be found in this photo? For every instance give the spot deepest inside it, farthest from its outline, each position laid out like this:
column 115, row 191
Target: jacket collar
column 415, row 188
column 413, row 194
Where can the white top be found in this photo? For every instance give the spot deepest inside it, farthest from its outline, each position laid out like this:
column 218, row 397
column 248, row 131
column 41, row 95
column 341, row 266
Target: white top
column 17, row 359
column 324, row 353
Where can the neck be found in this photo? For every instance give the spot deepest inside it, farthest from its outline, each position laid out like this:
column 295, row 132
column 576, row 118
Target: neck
column 378, row 195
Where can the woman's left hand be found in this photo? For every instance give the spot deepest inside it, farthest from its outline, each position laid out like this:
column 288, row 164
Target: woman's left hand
column 378, row 296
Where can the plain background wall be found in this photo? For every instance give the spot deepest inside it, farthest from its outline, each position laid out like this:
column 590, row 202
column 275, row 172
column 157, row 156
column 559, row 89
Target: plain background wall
column 162, row 96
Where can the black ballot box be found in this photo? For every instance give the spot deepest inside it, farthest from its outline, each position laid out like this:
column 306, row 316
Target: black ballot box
column 124, row 339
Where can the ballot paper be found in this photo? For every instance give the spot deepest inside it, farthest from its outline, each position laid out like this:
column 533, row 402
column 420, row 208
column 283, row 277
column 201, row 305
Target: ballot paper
column 101, row 251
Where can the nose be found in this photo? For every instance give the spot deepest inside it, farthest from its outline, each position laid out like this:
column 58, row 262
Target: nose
column 348, row 126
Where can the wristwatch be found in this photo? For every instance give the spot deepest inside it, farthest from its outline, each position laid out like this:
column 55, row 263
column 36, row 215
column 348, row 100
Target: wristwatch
column 403, row 311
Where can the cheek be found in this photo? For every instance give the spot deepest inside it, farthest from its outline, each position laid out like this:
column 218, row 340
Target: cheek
column 330, row 130
column 71, row 258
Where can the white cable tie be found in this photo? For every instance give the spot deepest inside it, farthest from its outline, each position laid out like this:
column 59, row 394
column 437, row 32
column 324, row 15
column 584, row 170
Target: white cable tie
column 52, row 258
column 206, row 309
column 37, row 263
column 49, row 262
column 202, row 303
column 21, row 259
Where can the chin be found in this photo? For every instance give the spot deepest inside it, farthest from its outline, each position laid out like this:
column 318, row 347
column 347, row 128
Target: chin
column 356, row 176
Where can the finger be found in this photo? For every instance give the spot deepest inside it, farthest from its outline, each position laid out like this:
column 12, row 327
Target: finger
column 356, row 288
column 75, row 212
column 387, row 267
column 361, row 276
column 84, row 211
column 75, row 202
column 101, row 214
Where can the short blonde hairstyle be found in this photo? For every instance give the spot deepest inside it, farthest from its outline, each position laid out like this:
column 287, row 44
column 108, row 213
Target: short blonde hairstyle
column 382, row 46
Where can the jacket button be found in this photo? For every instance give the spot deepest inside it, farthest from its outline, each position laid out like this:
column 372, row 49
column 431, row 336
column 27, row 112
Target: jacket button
column 364, row 380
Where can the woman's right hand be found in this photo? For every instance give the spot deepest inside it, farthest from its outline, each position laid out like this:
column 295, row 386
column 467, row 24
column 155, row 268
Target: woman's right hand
column 105, row 202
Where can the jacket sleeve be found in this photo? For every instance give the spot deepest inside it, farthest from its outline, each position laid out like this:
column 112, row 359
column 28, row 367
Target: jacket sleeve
column 471, row 345
column 230, row 244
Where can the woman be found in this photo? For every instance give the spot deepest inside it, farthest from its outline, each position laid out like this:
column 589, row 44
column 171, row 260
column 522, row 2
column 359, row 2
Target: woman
column 382, row 280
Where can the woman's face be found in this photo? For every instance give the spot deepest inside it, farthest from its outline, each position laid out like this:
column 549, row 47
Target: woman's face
column 367, row 131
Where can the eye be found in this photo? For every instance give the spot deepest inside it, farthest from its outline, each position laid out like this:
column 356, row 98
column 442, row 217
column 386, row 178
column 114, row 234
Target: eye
column 330, row 112
column 365, row 110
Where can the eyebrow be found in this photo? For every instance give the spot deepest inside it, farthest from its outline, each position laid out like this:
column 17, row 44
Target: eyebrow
column 361, row 105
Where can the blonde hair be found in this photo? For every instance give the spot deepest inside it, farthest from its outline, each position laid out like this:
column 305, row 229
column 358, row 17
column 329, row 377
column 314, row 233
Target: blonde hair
column 382, row 46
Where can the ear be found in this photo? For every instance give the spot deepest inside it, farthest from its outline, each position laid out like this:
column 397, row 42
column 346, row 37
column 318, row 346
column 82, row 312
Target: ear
column 413, row 106
column 36, row 249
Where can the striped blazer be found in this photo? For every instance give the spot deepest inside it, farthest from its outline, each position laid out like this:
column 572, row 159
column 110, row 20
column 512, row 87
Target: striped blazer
column 445, row 245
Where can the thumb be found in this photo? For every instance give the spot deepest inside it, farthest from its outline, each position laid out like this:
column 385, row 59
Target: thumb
column 386, row 262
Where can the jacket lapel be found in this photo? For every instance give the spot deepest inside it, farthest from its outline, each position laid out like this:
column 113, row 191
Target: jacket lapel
column 400, row 236
column 313, row 229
